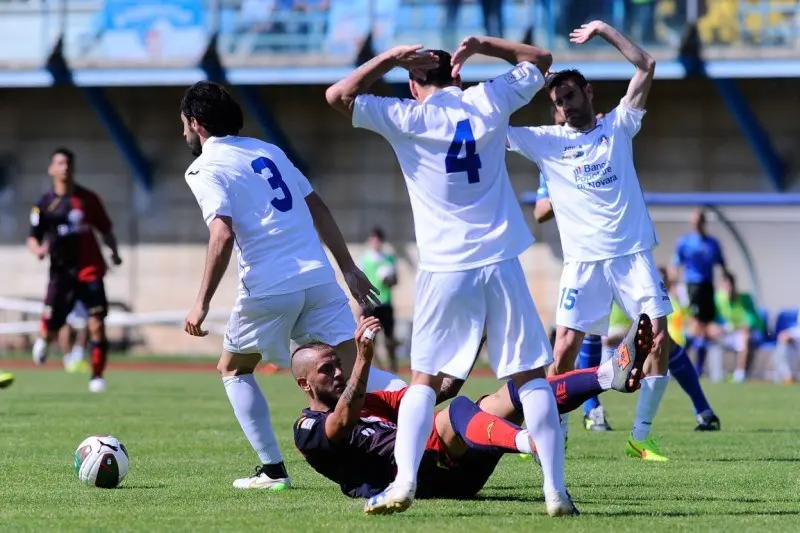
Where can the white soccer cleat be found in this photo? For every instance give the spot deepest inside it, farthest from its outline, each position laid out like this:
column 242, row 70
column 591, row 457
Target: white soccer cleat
column 396, row 498
column 559, row 504
column 260, row 480
column 39, row 351
column 97, row 385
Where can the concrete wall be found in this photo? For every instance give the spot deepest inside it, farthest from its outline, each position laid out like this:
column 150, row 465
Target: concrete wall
column 689, row 143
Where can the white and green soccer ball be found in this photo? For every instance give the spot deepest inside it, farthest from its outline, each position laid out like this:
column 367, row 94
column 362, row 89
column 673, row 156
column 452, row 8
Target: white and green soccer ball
column 101, row 461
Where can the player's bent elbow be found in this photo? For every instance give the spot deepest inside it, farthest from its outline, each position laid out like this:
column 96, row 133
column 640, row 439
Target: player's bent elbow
column 337, row 100
column 544, row 62
column 649, row 64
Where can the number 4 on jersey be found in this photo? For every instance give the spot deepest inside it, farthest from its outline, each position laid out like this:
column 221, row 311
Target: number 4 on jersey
column 471, row 162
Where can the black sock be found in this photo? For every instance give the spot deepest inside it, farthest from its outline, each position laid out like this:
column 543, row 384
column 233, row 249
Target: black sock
column 275, row 471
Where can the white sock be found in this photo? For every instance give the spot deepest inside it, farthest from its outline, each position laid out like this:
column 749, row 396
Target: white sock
column 414, row 423
column 252, row 412
column 780, row 363
column 524, row 442
column 383, row 380
column 715, row 362
column 608, row 353
column 77, row 353
column 649, row 401
column 738, row 375
column 605, row 374
column 541, row 419
column 40, row 348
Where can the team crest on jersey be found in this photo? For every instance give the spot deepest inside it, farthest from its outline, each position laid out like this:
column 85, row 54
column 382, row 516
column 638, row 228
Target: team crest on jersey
column 35, row 216
column 515, row 75
column 75, row 217
column 603, row 140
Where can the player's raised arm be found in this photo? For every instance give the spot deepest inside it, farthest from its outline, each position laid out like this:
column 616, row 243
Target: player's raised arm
column 504, row 49
column 360, row 287
column 348, row 409
column 639, row 87
column 342, row 95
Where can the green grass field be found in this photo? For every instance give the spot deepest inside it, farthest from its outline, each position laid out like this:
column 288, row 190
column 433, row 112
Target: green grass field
column 186, row 448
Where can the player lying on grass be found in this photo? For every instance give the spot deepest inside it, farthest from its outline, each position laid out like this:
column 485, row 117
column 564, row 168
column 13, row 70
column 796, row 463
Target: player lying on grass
column 348, row 435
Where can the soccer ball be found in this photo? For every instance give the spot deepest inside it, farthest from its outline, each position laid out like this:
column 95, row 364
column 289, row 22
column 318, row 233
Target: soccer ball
column 101, row 461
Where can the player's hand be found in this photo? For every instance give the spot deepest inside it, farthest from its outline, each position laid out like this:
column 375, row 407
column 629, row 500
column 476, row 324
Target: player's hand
column 194, row 321
column 413, row 59
column 586, row 32
column 364, row 292
column 116, row 259
column 41, row 253
column 468, row 48
column 365, row 342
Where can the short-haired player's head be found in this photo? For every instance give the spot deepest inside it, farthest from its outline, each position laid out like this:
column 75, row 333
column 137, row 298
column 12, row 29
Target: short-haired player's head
column 209, row 110
column 425, row 82
column 376, row 238
column 699, row 221
column 729, row 284
column 572, row 97
column 62, row 165
column 318, row 371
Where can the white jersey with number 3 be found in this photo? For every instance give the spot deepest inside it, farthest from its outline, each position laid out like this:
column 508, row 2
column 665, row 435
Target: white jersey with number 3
column 596, row 195
column 255, row 184
column 451, row 149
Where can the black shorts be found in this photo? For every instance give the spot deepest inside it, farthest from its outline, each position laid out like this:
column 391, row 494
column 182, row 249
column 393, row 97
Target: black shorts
column 62, row 293
column 463, row 479
column 385, row 313
column 701, row 301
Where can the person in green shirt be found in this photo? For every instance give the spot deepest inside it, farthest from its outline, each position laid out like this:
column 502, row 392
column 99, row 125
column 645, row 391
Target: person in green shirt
column 738, row 315
column 379, row 266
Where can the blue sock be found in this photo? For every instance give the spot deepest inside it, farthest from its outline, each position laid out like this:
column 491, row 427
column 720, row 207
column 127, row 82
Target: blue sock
column 680, row 366
column 701, row 347
column 589, row 357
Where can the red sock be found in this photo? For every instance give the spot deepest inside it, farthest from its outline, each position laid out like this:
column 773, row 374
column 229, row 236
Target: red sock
column 480, row 430
column 99, row 357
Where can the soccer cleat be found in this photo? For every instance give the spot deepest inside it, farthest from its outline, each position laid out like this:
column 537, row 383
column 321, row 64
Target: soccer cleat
column 396, row 498
column 596, row 420
column 97, row 385
column 560, row 505
column 646, row 449
column 708, row 421
column 39, row 351
column 629, row 357
column 260, row 480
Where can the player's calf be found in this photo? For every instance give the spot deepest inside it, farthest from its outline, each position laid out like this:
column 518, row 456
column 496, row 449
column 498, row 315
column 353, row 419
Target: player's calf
column 565, row 351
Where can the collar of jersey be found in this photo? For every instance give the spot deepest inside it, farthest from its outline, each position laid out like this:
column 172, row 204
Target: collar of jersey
column 597, row 125
column 211, row 140
column 448, row 90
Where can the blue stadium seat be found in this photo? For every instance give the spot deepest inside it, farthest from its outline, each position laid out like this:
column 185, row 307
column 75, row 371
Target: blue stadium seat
column 787, row 318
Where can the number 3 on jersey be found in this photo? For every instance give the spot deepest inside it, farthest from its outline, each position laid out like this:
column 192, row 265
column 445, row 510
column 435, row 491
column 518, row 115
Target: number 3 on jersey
column 276, row 182
column 471, row 161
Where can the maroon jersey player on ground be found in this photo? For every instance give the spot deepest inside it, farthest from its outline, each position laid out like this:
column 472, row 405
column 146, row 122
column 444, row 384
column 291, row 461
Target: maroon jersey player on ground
column 63, row 223
column 348, row 435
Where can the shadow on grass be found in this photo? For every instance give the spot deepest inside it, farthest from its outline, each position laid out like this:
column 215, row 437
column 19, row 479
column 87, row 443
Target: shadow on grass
column 143, row 486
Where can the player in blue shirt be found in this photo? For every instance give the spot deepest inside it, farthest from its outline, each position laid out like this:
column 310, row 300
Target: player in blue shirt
column 698, row 253
column 348, row 435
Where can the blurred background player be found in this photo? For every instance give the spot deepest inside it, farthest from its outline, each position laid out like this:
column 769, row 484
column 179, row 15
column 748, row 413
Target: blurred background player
column 590, row 355
column 470, row 232
column 606, row 231
column 62, row 225
column 697, row 253
column 379, row 265
column 255, row 200
column 72, row 340
column 785, row 350
column 680, row 366
column 742, row 325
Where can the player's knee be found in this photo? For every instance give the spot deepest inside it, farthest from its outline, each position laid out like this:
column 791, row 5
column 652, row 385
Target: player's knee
column 236, row 364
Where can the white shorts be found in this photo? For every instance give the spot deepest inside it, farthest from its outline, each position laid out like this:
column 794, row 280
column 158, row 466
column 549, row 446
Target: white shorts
column 266, row 325
column 794, row 333
column 79, row 316
column 588, row 290
column 453, row 309
column 733, row 341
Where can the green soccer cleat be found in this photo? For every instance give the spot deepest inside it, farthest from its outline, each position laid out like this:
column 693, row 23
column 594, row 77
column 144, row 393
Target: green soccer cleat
column 646, row 449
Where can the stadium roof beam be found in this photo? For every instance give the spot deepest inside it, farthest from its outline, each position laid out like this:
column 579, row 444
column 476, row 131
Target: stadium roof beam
column 691, row 57
column 119, row 132
column 270, row 128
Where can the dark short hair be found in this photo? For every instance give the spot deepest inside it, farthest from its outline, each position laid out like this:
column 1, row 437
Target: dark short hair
column 440, row 76
column 559, row 78
column 377, row 232
column 729, row 277
column 213, row 107
column 312, row 345
column 66, row 152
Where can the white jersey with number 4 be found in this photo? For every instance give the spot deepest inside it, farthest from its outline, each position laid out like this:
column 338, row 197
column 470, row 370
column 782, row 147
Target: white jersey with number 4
column 254, row 183
column 596, row 195
column 451, row 149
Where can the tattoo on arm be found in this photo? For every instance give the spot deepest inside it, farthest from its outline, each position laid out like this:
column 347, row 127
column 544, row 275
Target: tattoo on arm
column 356, row 390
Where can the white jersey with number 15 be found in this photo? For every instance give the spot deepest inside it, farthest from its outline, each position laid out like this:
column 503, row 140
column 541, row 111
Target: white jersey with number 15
column 451, row 149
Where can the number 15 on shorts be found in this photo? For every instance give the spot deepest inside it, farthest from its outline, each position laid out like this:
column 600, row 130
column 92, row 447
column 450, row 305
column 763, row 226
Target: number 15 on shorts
column 567, row 300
